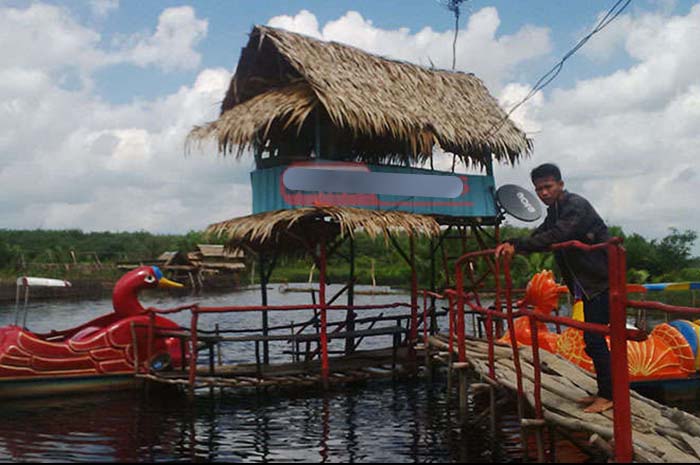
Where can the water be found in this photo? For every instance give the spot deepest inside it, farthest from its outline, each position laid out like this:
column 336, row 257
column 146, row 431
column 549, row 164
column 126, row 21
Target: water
column 411, row 420
column 377, row 421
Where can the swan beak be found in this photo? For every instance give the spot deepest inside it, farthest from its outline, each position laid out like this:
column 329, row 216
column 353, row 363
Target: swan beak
column 165, row 282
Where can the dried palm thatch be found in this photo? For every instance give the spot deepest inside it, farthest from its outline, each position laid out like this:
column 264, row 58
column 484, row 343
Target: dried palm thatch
column 287, row 229
column 291, row 105
column 377, row 108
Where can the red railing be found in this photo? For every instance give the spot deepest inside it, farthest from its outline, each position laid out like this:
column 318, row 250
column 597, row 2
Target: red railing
column 196, row 310
column 617, row 330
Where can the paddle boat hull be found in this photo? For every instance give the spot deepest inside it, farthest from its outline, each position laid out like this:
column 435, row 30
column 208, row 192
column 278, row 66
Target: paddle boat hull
column 45, row 386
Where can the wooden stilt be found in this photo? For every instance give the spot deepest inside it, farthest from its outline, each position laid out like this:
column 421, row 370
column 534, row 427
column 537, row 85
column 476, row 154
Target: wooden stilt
column 492, row 402
column 539, row 437
column 450, row 386
column 325, row 369
column 463, row 404
column 350, row 314
column 552, row 435
column 414, row 300
column 263, row 299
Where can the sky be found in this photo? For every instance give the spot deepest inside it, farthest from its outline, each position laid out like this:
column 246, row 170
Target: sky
column 98, row 96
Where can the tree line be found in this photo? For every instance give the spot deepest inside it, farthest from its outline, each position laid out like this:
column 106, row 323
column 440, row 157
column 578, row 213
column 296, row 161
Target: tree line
column 648, row 260
column 668, row 259
column 22, row 251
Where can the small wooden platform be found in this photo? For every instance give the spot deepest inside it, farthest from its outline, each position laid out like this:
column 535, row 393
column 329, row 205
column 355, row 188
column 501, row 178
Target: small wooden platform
column 360, row 365
column 660, row 433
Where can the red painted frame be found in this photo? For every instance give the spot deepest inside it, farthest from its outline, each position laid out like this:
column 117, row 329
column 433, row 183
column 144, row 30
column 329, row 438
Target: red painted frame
column 617, row 330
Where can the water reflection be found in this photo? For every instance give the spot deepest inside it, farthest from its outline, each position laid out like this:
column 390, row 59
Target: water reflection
column 374, row 422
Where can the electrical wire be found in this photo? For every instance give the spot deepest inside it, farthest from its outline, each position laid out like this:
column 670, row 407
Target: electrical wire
column 550, row 75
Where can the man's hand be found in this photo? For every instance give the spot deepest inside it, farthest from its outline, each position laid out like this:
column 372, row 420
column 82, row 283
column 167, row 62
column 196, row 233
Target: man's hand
column 505, row 250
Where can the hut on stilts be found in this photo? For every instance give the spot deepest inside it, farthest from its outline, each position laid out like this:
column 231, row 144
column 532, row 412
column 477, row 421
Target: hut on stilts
column 302, row 107
column 298, row 102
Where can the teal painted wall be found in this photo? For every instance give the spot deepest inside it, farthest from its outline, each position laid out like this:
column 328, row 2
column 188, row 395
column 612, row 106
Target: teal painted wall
column 476, row 200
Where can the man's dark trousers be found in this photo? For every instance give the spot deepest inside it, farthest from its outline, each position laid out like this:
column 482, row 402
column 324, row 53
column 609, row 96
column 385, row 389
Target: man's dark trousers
column 597, row 310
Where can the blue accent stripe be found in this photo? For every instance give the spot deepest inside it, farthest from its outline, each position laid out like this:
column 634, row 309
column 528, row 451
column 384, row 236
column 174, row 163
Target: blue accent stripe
column 687, row 329
column 655, row 287
column 682, row 286
column 157, row 272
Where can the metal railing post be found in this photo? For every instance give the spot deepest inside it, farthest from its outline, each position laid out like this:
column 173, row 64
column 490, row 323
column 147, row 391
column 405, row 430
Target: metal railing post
column 618, row 354
column 193, row 350
column 461, row 347
column 325, row 368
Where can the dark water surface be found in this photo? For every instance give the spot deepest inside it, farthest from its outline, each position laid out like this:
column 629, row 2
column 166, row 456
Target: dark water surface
column 376, row 421
column 381, row 421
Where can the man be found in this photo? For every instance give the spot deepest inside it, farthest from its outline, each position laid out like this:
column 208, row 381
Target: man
column 571, row 217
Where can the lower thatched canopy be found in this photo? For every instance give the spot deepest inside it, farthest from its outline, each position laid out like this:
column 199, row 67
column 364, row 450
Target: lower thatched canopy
column 304, row 227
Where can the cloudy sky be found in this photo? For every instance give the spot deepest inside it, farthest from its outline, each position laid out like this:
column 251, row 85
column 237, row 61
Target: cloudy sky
column 97, row 97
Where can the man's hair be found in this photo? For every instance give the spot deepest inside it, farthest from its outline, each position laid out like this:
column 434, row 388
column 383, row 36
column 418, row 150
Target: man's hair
column 547, row 170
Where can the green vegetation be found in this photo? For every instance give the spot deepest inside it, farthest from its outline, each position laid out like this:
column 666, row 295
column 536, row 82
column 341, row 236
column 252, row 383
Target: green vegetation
column 74, row 253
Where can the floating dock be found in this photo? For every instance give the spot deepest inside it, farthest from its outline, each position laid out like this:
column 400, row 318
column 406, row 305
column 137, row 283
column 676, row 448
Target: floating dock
column 359, row 366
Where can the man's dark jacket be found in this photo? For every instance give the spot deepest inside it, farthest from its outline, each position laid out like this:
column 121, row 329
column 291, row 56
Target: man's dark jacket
column 572, row 217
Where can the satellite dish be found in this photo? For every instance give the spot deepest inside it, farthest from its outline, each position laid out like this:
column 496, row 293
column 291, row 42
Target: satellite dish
column 518, row 202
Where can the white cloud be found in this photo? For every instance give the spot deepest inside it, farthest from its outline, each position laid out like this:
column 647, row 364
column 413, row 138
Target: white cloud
column 47, row 38
column 524, row 115
column 479, row 49
column 70, row 159
column 606, row 43
column 304, row 22
column 664, row 52
column 102, row 8
column 172, row 45
column 120, row 167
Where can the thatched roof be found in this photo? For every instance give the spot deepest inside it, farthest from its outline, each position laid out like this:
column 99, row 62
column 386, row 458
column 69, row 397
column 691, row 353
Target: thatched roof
column 379, row 108
column 289, row 229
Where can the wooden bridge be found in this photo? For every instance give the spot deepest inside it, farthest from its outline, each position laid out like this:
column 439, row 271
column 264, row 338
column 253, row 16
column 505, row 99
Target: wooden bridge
column 660, row 433
column 637, row 429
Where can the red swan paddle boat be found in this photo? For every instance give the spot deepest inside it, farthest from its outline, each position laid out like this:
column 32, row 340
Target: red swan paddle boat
column 97, row 355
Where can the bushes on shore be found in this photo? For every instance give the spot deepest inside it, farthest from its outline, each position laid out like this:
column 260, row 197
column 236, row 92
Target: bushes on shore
column 74, row 253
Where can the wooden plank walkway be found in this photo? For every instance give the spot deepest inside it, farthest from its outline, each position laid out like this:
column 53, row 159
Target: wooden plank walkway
column 361, row 365
column 660, row 433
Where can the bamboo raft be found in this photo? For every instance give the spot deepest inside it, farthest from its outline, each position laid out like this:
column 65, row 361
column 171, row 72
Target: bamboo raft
column 358, row 366
column 660, row 433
